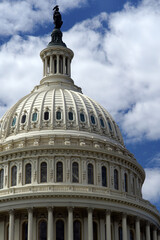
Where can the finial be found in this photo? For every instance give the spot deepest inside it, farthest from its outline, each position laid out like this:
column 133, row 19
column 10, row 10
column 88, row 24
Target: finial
column 57, row 34
column 57, row 17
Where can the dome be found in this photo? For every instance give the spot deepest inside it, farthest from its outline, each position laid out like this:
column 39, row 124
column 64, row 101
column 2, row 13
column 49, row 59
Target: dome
column 64, row 170
column 50, row 110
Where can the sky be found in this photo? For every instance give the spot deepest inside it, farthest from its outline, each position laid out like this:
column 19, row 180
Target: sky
column 116, row 44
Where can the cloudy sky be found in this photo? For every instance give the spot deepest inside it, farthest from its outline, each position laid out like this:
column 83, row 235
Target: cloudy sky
column 117, row 63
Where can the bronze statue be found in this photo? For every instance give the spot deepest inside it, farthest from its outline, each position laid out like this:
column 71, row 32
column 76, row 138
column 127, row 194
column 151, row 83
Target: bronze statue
column 57, row 17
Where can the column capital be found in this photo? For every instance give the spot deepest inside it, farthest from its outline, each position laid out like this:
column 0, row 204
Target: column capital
column 108, row 212
column 70, row 208
column 30, row 210
column 50, row 208
column 11, row 211
column 90, row 210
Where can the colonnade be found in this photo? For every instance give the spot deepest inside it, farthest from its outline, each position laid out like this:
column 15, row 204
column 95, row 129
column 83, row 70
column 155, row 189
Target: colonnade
column 61, row 65
column 109, row 229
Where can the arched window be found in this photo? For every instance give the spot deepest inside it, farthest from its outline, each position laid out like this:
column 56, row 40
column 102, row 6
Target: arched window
column 58, row 115
column 95, row 231
column 90, row 173
column 133, row 185
column 42, row 230
column 1, row 178
column 23, row 119
column 104, row 176
column 55, row 65
column 66, row 66
column 77, row 230
column 59, row 172
column 43, row 172
column 46, row 115
column 14, row 122
column 25, row 231
column 93, row 121
column 116, row 185
column 82, row 117
column 34, row 117
column 14, row 176
column 125, row 182
column 28, row 173
column 131, row 235
column 59, row 230
column 70, row 116
column 75, row 172
column 110, row 127
column 120, row 233
column 102, row 122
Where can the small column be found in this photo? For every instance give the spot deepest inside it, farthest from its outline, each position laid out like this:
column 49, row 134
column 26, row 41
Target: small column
column 158, row 235
column 108, row 225
column 155, row 234
column 90, row 224
column 138, row 229
column 30, row 224
column 57, row 64
column 148, row 235
column 64, row 63
column 124, row 226
column 45, row 66
column 70, row 223
column 68, row 64
column 11, row 225
column 50, row 223
column 115, row 230
column 51, row 64
column 102, row 229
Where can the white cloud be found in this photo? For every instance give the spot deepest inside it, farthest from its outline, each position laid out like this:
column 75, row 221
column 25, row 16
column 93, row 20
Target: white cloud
column 24, row 15
column 151, row 191
column 119, row 68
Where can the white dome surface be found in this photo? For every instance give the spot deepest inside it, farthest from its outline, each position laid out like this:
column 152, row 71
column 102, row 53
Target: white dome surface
column 76, row 113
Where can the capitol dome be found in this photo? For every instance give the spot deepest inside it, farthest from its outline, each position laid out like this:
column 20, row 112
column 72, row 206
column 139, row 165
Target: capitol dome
column 65, row 173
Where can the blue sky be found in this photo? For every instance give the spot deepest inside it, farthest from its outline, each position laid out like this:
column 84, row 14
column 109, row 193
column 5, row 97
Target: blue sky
column 117, row 63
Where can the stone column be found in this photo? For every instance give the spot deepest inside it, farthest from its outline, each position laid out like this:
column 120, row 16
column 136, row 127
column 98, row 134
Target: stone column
column 45, row 66
column 108, row 225
column 70, row 223
column 102, row 229
column 90, row 224
column 50, row 223
column 57, row 64
column 30, row 224
column 51, row 64
column 138, row 234
column 11, row 225
column 155, row 234
column 124, row 226
column 115, row 230
column 158, row 235
column 64, row 65
column 148, row 235
column 69, row 70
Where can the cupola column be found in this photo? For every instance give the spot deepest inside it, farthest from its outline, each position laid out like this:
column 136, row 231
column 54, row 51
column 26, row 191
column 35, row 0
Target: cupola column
column 57, row 64
column 155, row 234
column 148, row 235
column 51, row 64
column 108, row 225
column 158, row 235
column 68, row 65
column 124, row 226
column 90, row 224
column 50, row 223
column 64, row 63
column 45, row 66
column 138, row 229
column 70, row 223
column 30, row 224
column 11, row 225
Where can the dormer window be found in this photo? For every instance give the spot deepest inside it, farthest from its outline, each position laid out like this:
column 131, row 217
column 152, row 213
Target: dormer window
column 82, row 117
column 34, row 117
column 46, row 115
column 23, row 119
column 14, row 122
column 58, row 115
column 93, row 121
column 70, row 116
